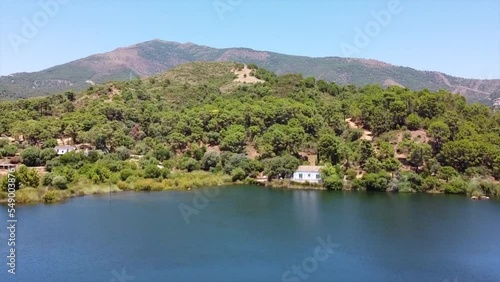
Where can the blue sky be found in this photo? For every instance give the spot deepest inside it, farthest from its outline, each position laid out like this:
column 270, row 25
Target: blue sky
column 458, row 37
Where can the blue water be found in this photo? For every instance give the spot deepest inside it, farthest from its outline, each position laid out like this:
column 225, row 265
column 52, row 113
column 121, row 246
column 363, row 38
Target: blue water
column 248, row 233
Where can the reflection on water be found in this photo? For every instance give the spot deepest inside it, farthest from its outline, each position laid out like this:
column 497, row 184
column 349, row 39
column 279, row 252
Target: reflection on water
column 306, row 205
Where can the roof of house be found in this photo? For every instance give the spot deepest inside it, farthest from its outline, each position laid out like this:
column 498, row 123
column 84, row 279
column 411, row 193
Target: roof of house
column 64, row 147
column 84, row 145
column 309, row 168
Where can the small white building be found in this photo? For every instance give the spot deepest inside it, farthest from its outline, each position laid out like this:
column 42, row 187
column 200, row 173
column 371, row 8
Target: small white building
column 307, row 173
column 496, row 105
column 61, row 150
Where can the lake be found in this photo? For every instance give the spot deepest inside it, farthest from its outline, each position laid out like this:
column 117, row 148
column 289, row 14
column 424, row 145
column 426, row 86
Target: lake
column 249, row 233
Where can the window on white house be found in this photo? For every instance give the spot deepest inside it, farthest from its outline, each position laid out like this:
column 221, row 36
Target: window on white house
column 300, row 176
column 317, row 176
column 309, row 176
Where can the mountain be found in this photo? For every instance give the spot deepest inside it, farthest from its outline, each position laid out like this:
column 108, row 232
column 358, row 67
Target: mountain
column 156, row 56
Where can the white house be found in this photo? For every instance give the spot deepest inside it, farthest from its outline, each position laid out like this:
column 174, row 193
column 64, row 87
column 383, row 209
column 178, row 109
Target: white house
column 496, row 105
column 61, row 150
column 307, row 173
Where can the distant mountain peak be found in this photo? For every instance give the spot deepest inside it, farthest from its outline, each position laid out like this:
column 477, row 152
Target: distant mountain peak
column 156, row 56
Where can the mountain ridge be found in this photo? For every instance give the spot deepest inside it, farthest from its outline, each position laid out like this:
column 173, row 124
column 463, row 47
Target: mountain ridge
column 156, row 56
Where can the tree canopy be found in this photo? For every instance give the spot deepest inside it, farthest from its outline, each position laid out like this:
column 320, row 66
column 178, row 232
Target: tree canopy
column 206, row 121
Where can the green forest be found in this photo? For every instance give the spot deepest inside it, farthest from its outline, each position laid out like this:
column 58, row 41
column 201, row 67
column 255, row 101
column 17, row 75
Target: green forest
column 196, row 126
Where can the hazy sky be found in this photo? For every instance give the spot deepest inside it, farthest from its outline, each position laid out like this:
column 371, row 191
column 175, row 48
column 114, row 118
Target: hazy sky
column 457, row 37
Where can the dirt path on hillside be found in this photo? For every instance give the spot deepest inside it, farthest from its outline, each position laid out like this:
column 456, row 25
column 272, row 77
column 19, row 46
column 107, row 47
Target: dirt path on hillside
column 367, row 135
column 445, row 80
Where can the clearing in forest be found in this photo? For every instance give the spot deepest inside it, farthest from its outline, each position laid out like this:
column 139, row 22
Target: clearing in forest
column 245, row 77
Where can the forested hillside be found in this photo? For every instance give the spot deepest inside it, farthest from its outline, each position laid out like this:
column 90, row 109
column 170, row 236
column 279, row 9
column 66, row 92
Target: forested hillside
column 197, row 118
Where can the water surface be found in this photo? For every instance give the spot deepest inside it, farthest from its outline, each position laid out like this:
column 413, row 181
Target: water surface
column 251, row 233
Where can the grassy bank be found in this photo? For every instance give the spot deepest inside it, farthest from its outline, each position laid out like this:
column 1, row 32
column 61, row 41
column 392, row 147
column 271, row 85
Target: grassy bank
column 287, row 184
column 197, row 179
column 177, row 181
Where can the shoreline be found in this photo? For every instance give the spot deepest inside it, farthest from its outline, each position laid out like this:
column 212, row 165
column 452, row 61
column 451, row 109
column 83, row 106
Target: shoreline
column 288, row 185
column 93, row 189
column 84, row 187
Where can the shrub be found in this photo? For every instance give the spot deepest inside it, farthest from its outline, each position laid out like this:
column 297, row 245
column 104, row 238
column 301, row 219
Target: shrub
column 490, row 188
column 213, row 138
column 372, row 165
column 28, row 177
column 67, row 172
column 410, row 182
column 51, row 196
column 355, row 134
column 4, row 183
column 9, row 151
column 148, row 185
column 161, row 153
column 27, row 195
column 413, row 122
column 152, row 171
column 112, row 164
column 456, row 186
column 391, row 164
column 114, row 178
column 238, row 174
column 98, row 174
column 431, row 184
column 49, row 144
column 73, row 159
column 406, row 135
column 446, row 173
column 47, row 179
column 210, row 160
column 168, row 165
column 376, row 181
column 496, row 168
column 31, row 156
column 235, row 161
column 60, row 182
column 251, row 181
column 351, row 174
column 333, row 182
column 126, row 173
column 123, row 185
column 357, row 184
column 47, row 155
column 477, row 171
column 192, row 165
column 123, row 153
